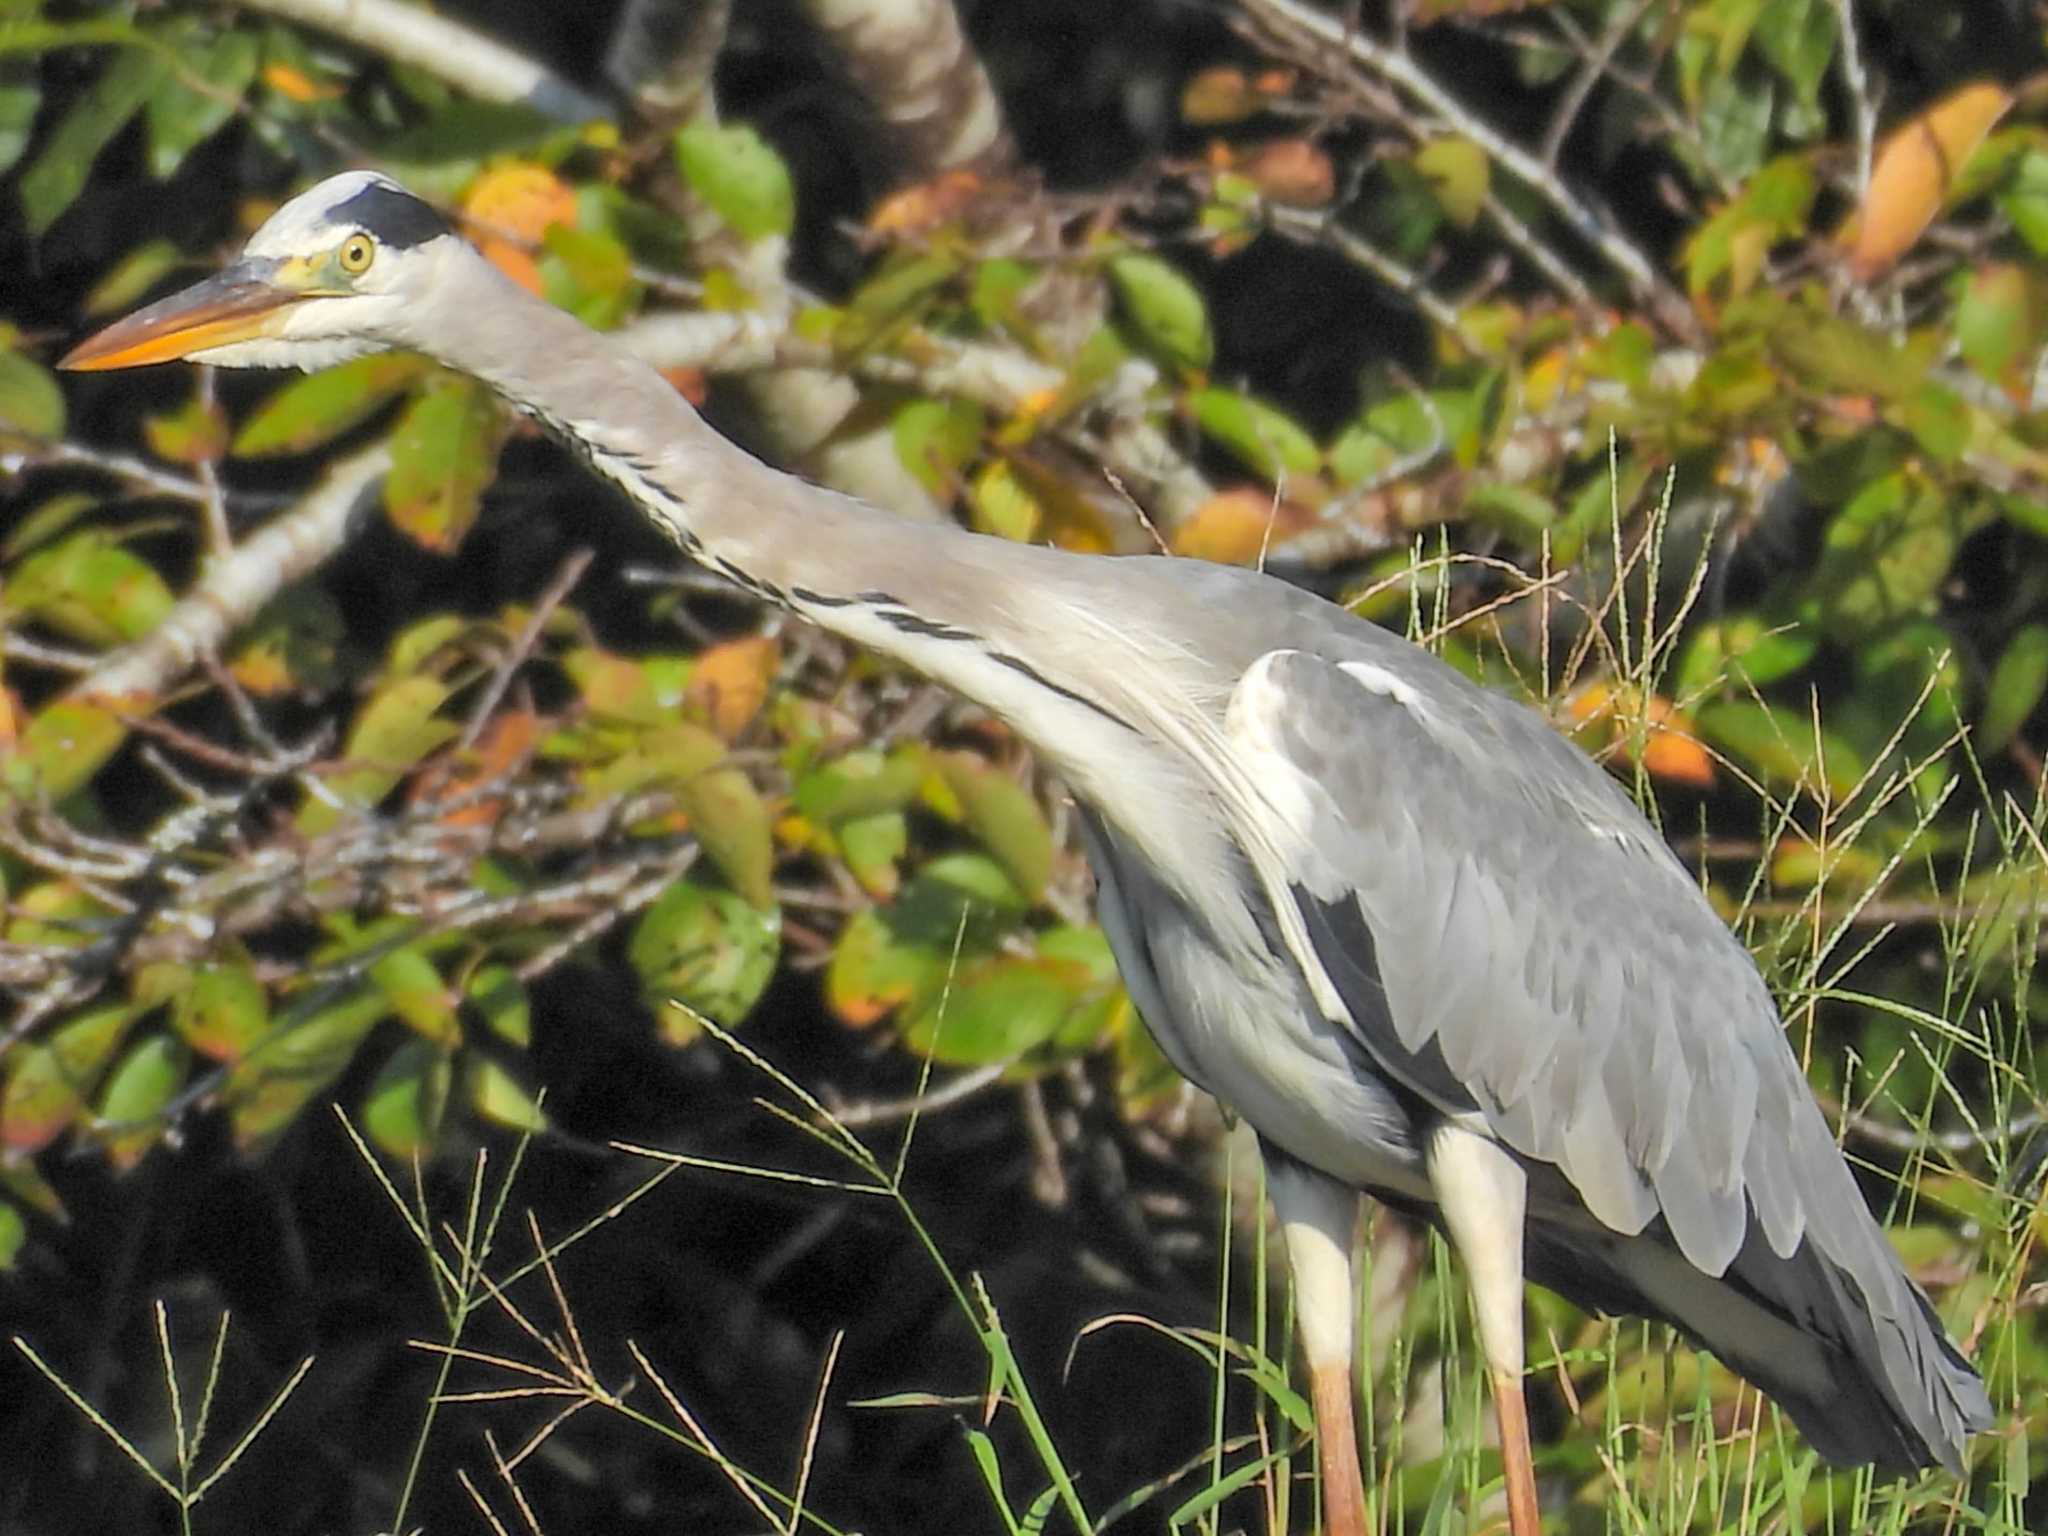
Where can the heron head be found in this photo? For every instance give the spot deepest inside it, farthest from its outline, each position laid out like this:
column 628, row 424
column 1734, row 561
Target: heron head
column 339, row 271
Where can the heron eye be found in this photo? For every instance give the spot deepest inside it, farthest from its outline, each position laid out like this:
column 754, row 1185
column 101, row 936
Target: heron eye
column 357, row 252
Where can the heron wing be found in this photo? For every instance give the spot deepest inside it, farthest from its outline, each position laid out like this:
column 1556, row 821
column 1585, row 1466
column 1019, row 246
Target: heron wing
column 1503, row 933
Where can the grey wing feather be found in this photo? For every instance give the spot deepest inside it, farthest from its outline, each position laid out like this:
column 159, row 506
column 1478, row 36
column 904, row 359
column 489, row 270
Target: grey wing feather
column 1537, row 952
column 1532, row 927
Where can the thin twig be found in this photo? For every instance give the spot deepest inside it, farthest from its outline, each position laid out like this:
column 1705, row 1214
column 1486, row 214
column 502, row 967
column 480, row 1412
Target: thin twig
column 523, row 643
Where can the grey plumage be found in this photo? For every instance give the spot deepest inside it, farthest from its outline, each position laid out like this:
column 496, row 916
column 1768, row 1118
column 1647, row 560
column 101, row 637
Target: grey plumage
column 1424, row 946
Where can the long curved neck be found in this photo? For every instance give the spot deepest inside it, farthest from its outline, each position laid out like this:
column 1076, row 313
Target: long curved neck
column 768, row 530
column 1087, row 660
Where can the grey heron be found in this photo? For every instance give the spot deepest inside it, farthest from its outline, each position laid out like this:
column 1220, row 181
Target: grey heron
column 1424, row 946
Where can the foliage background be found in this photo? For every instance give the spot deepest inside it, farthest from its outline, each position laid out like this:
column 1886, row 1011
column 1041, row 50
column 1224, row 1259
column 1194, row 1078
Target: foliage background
column 1675, row 363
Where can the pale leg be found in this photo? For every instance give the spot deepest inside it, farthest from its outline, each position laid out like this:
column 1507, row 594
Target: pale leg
column 1482, row 1192
column 1316, row 1217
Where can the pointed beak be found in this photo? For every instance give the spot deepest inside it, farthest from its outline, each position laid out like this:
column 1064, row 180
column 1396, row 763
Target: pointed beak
column 240, row 304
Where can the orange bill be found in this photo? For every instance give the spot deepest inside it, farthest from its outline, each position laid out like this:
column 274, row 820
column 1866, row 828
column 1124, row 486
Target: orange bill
column 240, row 304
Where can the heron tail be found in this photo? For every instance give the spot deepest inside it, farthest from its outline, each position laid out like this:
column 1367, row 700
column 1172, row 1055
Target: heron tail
column 1859, row 1360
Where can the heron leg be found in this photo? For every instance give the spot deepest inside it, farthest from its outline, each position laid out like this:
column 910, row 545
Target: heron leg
column 1316, row 1217
column 1482, row 1193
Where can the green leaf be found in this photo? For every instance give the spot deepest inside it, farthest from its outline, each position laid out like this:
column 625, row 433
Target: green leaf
column 23, row 1182
column 91, row 588
column 994, row 1011
column 1885, row 555
column 500, row 1098
column 937, row 439
column 860, row 784
column 44, row 522
column 1457, row 172
column 292, row 645
column 48, row 1079
column 402, row 1111
column 395, row 729
column 589, row 273
column 2017, row 683
column 443, row 456
column 63, row 747
column 999, row 286
column 734, row 825
column 875, row 971
column 961, row 884
column 888, row 956
column 1514, row 509
column 2025, row 200
column 1260, row 435
column 1779, row 746
column 1164, row 308
column 1002, row 502
column 59, row 173
column 31, row 403
column 1004, row 818
column 412, row 985
column 19, row 101
column 1940, row 421
column 1735, row 121
column 138, row 1092
column 674, row 755
column 199, row 94
column 498, row 994
column 1798, row 37
column 707, row 951
column 133, row 275
column 1826, row 352
column 266, row 1089
column 13, row 1233
column 1998, row 320
column 873, row 847
column 222, row 1012
column 739, row 176
column 193, row 433
column 311, row 412
column 1746, row 650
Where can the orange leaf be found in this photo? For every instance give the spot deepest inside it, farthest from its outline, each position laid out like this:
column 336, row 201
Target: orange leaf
column 1671, row 753
column 296, row 85
column 1234, row 526
column 509, row 208
column 690, row 383
column 1912, row 173
column 926, row 204
column 505, row 743
column 1291, row 171
column 1219, row 94
column 729, row 683
column 1670, row 745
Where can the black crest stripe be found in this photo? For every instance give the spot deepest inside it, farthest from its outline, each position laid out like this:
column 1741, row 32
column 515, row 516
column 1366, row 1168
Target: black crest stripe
column 396, row 218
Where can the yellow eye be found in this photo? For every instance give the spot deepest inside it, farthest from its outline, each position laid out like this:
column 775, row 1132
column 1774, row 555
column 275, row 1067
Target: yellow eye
column 356, row 254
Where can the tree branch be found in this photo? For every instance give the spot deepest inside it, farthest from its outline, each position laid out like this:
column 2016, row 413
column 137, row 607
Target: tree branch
column 917, row 69
column 470, row 60
column 1310, row 33
column 236, row 585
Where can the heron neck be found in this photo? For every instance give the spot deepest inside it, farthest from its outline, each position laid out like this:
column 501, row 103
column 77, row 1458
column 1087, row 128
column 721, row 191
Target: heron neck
column 1059, row 645
column 770, row 531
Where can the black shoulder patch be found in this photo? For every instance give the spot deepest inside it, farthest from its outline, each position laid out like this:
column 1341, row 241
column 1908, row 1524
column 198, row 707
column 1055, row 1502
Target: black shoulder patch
column 396, row 218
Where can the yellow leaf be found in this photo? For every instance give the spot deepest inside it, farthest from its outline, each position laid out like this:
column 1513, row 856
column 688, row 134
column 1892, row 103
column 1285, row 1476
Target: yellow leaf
column 296, row 85
column 925, row 205
column 1235, row 526
column 509, row 208
column 1291, row 171
column 730, row 681
column 1912, row 173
